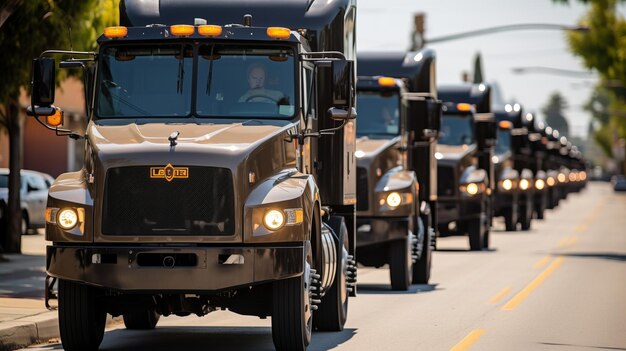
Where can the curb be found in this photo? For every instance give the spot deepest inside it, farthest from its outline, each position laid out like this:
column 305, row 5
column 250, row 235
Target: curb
column 39, row 328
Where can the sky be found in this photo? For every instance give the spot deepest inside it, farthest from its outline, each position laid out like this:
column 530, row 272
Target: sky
column 386, row 26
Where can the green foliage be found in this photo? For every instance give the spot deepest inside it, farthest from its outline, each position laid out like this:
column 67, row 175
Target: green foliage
column 554, row 113
column 36, row 25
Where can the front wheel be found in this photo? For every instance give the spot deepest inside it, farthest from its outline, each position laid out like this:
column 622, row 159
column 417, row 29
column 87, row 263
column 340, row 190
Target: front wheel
column 333, row 309
column 476, row 233
column 421, row 268
column 145, row 319
column 81, row 316
column 401, row 263
column 292, row 317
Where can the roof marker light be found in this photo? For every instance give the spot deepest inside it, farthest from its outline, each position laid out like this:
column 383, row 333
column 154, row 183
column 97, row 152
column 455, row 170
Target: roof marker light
column 278, row 32
column 115, row 32
column 386, row 81
column 183, row 30
column 209, row 30
column 463, row 107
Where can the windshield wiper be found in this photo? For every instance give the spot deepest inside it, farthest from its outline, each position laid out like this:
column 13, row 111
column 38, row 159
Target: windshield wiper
column 208, row 82
column 181, row 72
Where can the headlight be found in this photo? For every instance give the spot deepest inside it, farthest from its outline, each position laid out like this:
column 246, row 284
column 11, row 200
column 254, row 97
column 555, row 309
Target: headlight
column 551, row 181
column 394, row 199
column 274, row 219
column 67, row 218
column 472, row 189
column 507, row 184
column 572, row 177
column 524, row 184
column 583, row 175
column 540, row 184
column 561, row 177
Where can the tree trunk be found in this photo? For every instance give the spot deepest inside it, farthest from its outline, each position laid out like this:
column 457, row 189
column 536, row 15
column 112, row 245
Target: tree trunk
column 12, row 243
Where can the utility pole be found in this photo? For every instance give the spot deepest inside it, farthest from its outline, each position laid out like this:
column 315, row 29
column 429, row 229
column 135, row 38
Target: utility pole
column 417, row 36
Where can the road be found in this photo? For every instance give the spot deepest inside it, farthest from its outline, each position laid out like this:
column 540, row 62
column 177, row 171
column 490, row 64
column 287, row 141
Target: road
column 561, row 286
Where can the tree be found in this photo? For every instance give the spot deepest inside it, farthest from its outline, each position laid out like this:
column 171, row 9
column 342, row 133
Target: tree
column 603, row 48
column 28, row 27
column 554, row 113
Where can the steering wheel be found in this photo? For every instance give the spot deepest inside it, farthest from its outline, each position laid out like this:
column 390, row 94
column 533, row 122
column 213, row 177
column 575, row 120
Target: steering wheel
column 262, row 97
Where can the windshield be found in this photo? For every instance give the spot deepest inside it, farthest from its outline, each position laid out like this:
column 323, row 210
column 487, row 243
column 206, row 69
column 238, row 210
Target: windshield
column 379, row 113
column 4, row 181
column 456, row 130
column 232, row 81
column 503, row 143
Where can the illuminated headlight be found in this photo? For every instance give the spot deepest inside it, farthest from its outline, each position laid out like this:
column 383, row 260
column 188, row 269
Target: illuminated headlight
column 394, row 199
column 507, row 184
column 524, row 184
column 572, row 177
column 275, row 219
column 582, row 175
column 551, row 181
column 67, row 218
column 562, row 178
column 470, row 188
column 540, row 184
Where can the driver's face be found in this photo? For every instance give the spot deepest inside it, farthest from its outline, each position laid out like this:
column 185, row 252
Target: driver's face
column 256, row 79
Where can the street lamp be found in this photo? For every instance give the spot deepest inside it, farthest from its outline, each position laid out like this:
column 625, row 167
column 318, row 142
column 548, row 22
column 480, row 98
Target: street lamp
column 506, row 28
column 552, row 70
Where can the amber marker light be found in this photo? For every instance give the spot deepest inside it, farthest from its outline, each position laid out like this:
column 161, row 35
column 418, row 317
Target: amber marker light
column 278, row 32
column 115, row 32
column 56, row 119
column 182, row 30
column 208, row 30
column 505, row 124
column 464, row 107
column 386, row 81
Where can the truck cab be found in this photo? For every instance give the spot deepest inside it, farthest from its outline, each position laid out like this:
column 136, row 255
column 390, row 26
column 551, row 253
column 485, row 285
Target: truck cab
column 219, row 169
column 464, row 163
column 387, row 190
column 416, row 150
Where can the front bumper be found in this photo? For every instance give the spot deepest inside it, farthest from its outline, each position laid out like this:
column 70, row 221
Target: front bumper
column 450, row 209
column 377, row 230
column 216, row 268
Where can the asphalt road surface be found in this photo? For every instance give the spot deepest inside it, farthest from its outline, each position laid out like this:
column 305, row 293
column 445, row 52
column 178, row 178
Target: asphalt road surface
column 561, row 286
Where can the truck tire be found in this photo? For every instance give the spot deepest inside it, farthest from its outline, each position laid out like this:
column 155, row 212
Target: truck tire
column 141, row 319
column 475, row 232
column 333, row 311
column 421, row 268
column 400, row 264
column 526, row 216
column 292, row 318
column 81, row 316
column 510, row 219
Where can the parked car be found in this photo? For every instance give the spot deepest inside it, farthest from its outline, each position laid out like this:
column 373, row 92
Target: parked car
column 619, row 183
column 33, row 193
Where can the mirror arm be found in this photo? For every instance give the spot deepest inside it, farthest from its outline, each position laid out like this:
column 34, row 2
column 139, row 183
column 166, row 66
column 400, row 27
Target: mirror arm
column 57, row 131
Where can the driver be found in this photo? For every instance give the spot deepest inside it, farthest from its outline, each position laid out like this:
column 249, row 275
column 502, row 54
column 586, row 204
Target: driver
column 256, row 85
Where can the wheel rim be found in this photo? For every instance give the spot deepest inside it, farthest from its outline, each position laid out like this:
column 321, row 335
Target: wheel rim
column 343, row 291
column 24, row 225
column 308, row 313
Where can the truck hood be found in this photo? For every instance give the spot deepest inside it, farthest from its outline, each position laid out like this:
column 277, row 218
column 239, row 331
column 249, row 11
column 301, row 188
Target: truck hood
column 368, row 149
column 138, row 143
column 453, row 153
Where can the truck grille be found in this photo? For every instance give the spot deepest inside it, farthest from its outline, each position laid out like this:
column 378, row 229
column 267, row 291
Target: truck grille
column 362, row 191
column 136, row 204
column 446, row 181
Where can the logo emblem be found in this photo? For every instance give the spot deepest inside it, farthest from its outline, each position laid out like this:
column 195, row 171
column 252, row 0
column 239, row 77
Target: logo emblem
column 169, row 172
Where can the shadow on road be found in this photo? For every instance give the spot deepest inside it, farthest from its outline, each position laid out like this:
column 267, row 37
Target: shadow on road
column 583, row 346
column 599, row 255
column 385, row 289
column 202, row 338
column 491, row 249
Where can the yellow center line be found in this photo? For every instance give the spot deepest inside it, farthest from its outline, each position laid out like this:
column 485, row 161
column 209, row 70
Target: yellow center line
column 522, row 295
column 582, row 228
column 500, row 295
column 469, row 340
column 542, row 262
column 569, row 241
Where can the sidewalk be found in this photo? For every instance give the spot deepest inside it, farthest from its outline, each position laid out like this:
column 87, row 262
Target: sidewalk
column 24, row 319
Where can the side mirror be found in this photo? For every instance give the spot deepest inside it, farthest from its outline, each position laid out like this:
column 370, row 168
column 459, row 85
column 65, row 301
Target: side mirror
column 339, row 114
column 486, row 130
column 43, row 82
column 343, row 83
column 424, row 116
